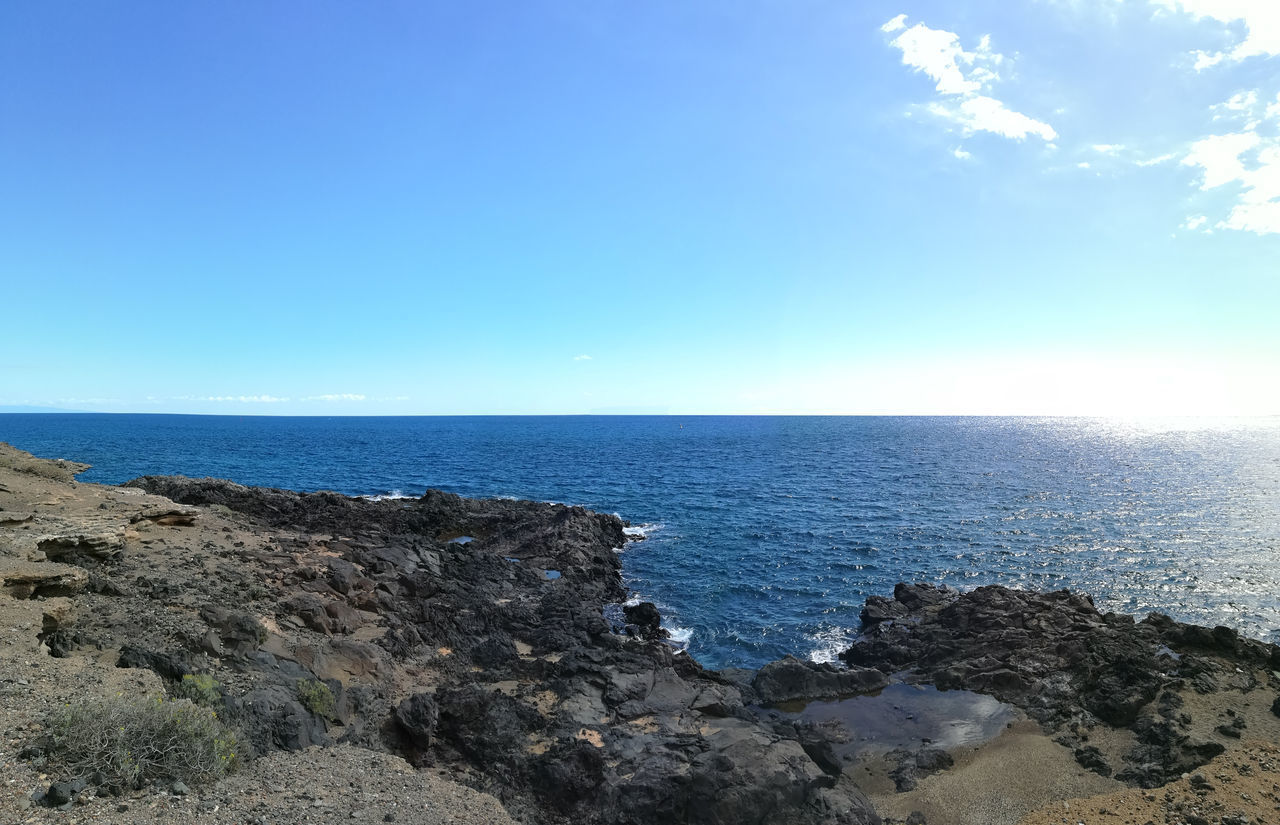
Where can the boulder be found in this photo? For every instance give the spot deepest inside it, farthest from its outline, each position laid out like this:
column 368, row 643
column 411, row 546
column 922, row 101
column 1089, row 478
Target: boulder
column 791, row 679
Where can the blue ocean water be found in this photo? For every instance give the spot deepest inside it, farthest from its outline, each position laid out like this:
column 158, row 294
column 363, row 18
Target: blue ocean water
column 765, row 534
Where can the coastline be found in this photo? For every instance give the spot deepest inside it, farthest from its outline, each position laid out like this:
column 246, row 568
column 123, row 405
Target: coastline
column 502, row 683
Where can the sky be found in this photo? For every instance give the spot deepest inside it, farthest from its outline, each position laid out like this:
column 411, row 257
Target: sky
column 910, row 207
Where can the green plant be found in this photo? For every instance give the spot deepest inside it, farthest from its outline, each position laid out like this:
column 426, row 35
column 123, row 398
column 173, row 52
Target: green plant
column 200, row 688
column 130, row 742
column 316, row 697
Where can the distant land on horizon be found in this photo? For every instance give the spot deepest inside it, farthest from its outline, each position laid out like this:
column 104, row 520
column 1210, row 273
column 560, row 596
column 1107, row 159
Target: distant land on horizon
column 20, row 408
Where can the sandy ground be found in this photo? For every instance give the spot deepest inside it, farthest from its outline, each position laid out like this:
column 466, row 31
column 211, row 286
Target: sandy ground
column 342, row 784
column 1239, row 787
column 993, row 784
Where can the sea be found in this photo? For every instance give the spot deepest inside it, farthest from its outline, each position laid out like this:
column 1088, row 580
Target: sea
column 763, row 535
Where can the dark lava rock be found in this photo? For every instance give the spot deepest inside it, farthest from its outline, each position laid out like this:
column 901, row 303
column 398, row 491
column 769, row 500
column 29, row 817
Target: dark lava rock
column 63, row 793
column 239, row 633
column 915, row 765
column 276, row 720
column 1064, row 663
column 1275, row 706
column 538, row 701
column 417, row 717
column 790, row 679
column 1092, row 759
column 171, row 666
column 646, row 618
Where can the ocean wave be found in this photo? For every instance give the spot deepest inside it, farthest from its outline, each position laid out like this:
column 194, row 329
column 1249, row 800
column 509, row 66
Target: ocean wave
column 829, row 643
column 679, row 636
column 394, row 495
column 642, row 530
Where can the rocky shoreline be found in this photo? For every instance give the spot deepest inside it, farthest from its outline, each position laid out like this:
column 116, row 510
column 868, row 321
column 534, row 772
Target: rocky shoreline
column 470, row 639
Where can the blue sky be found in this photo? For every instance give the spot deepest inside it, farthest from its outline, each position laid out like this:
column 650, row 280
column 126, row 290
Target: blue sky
column 1013, row 206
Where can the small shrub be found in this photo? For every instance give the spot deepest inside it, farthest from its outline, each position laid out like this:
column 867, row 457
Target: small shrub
column 316, row 697
column 134, row 741
column 200, row 688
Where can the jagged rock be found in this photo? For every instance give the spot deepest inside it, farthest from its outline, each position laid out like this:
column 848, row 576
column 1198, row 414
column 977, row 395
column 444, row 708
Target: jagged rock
column 790, row 679
column 171, row 666
column 1092, row 759
column 276, row 720
column 1059, row 659
column 646, row 618
column 240, row 633
column 915, row 765
column 417, row 717
column 879, row 609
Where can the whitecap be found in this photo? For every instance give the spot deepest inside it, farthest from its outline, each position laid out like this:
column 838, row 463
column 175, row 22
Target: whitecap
column 394, row 495
column 642, row 530
column 829, row 643
column 680, row 636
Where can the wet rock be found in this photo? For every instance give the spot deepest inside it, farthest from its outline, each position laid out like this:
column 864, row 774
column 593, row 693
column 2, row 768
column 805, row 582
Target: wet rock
column 646, row 618
column 790, row 679
column 879, row 609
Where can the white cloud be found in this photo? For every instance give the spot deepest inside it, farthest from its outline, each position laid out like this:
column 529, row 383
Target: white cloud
column 896, row 24
column 336, row 396
column 582, row 357
column 237, row 399
column 1084, row 164
column 1156, row 161
column 1273, row 110
column 1204, row 60
column 1219, row 156
column 1195, row 222
column 1261, row 19
column 980, row 113
column 961, row 154
column 964, row 78
column 1108, row 148
column 1241, row 101
column 1253, row 163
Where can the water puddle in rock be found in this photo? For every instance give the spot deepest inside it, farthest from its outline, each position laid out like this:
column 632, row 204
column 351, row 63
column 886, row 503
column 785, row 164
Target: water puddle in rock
column 908, row 716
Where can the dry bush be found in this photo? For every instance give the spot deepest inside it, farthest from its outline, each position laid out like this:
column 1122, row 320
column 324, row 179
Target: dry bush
column 129, row 742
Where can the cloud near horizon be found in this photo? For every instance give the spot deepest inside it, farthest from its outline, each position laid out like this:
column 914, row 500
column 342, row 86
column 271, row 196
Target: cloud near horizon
column 242, row 399
column 338, row 396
